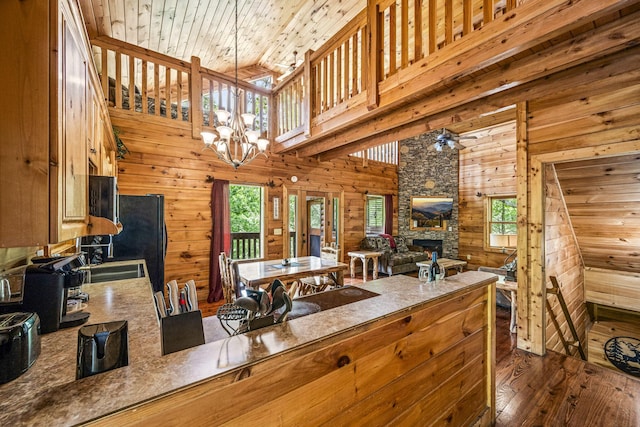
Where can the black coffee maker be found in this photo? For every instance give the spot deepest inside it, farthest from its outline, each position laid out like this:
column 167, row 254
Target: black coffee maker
column 45, row 291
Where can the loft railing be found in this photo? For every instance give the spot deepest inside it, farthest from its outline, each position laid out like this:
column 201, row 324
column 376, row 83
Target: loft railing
column 359, row 62
column 386, row 43
column 385, row 153
column 143, row 81
column 139, row 80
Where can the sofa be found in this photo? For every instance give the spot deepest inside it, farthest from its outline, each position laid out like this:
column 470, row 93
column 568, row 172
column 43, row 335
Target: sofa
column 398, row 260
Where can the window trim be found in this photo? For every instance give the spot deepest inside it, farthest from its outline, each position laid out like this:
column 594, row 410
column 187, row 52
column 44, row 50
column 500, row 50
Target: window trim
column 366, row 214
column 487, row 223
column 263, row 215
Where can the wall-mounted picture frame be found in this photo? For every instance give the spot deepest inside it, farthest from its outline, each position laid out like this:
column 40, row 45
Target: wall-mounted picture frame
column 430, row 213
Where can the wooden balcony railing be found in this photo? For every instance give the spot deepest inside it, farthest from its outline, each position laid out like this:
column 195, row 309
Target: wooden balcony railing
column 351, row 69
column 245, row 245
column 143, row 81
column 388, row 43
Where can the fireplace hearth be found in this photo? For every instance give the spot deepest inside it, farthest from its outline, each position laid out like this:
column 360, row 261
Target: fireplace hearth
column 429, row 246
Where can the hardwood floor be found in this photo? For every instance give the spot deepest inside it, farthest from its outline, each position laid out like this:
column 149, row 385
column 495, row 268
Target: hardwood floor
column 557, row 390
column 554, row 390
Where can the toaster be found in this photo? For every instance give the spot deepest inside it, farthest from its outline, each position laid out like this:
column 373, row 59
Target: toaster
column 19, row 344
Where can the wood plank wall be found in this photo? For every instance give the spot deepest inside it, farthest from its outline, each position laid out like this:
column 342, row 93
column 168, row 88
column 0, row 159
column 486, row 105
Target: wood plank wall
column 487, row 167
column 165, row 159
column 593, row 113
column 562, row 260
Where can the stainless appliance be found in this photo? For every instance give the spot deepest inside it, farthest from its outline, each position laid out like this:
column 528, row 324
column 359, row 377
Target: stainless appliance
column 143, row 235
column 102, row 347
column 19, row 344
column 45, row 290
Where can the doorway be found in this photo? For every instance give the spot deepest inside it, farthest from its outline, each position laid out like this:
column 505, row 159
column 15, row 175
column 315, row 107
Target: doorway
column 315, row 225
column 314, row 219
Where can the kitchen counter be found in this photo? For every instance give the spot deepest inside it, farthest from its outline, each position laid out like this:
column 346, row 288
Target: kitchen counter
column 48, row 393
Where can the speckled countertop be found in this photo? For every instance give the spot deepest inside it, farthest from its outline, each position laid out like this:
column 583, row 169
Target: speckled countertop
column 48, row 394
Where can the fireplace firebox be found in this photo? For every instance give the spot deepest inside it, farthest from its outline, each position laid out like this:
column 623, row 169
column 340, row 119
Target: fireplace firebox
column 429, row 245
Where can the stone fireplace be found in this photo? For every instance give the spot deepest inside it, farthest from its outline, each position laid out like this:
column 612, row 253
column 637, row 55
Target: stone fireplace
column 423, row 171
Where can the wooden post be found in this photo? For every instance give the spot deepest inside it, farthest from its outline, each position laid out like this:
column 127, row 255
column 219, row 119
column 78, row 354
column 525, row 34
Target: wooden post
column 373, row 41
column 195, row 93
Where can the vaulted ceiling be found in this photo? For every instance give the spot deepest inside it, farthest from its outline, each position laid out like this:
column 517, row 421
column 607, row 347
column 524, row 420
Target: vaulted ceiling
column 269, row 31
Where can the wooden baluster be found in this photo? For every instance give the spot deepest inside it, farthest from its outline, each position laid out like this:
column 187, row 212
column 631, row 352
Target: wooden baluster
column 143, row 89
column 375, row 33
column 487, row 14
column 467, row 19
column 307, row 101
column 404, row 35
column 156, row 88
column 417, row 36
column 132, row 83
column 433, row 25
column 105, row 74
column 195, row 106
column 448, row 21
column 118, row 86
column 392, row 38
column 345, row 61
column 362, row 58
column 179, row 93
column 338, row 59
column 167, row 88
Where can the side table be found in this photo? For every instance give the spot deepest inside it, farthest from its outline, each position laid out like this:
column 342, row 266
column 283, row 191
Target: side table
column 364, row 256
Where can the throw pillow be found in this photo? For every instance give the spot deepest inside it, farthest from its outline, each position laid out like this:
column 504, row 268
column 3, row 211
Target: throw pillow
column 389, row 237
column 401, row 244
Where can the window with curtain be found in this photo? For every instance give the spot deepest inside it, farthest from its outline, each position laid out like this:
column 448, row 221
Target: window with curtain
column 502, row 217
column 374, row 215
column 245, row 204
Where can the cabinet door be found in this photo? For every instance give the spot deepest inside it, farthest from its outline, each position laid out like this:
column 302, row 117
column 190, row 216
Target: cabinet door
column 72, row 184
column 24, row 118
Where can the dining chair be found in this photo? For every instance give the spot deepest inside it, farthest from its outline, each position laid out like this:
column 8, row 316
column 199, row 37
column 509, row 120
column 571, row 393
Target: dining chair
column 228, row 288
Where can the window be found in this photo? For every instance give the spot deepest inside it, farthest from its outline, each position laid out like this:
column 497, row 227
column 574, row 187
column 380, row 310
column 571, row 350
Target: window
column 374, row 212
column 293, row 225
column 502, row 221
column 245, row 204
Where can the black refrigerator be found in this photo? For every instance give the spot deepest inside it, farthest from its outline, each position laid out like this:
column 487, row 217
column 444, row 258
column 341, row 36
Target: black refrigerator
column 143, row 235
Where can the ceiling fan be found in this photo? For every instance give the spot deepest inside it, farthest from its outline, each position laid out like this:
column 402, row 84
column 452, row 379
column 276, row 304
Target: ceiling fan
column 291, row 67
column 450, row 139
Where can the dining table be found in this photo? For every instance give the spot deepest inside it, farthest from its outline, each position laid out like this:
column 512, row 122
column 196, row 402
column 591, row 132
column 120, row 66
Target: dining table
column 257, row 274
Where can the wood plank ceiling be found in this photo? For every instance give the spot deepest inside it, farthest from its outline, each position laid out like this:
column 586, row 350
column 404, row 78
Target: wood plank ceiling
column 603, row 200
column 269, row 31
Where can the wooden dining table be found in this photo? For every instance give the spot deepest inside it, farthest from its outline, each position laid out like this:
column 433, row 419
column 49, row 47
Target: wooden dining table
column 262, row 273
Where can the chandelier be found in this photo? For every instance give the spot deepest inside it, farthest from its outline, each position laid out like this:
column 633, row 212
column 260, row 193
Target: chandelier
column 236, row 141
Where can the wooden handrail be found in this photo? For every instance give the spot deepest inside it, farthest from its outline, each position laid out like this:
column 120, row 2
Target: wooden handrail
column 348, row 73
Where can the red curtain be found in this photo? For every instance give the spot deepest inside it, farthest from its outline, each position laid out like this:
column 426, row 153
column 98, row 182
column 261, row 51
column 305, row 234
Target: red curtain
column 220, row 235
column 388, row 214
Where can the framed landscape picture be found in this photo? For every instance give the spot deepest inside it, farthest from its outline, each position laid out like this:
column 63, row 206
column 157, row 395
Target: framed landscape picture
column 430, row 213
